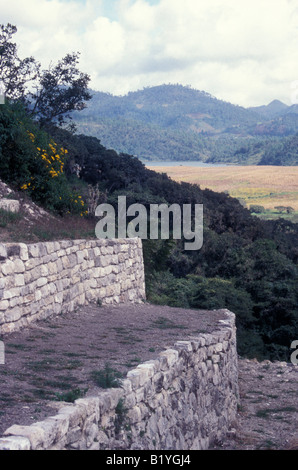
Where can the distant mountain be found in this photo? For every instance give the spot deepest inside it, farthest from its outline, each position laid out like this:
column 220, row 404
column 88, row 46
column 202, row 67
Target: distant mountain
column 170, row 107
column 272, row 110
column 175, row 122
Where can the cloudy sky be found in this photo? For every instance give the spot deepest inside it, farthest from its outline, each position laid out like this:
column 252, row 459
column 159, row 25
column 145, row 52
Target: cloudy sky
column 242, row 51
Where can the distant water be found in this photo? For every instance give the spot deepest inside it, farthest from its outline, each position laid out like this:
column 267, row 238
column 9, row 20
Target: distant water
column 183, row 163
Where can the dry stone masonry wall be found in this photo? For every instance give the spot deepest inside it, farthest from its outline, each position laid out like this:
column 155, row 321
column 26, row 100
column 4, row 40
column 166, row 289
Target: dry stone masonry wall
column 186, row 399
column 42, row 279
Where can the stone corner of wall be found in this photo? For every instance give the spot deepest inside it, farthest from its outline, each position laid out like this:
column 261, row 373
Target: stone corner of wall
column 184, row 399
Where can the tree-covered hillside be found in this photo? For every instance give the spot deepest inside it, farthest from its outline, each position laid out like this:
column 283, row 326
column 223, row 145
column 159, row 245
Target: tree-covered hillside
column 283, row 152
column 174, row 122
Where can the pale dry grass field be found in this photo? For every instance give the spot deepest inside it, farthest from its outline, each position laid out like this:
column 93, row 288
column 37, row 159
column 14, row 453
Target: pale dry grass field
column 268, row 186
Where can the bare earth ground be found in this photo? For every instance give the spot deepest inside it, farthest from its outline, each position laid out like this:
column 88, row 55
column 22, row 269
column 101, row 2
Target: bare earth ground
column 268, row 412
column 58, row 355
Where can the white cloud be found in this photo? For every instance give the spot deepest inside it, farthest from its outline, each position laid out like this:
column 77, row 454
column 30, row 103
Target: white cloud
column 243, row 51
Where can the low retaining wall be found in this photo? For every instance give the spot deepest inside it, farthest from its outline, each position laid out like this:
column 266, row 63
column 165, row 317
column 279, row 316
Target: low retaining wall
column 184, row 400
column 42, row 279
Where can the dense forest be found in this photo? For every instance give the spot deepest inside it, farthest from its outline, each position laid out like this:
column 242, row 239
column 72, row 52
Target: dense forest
column 246, row 264
column 174, row 122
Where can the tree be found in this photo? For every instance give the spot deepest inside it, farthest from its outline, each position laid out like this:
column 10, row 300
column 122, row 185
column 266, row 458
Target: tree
column 57, row 91
column 14, row 72
column 60, row 90
column 256, row 209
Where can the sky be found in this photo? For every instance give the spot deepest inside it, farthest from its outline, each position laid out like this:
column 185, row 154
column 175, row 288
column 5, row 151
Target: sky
column 241, row 51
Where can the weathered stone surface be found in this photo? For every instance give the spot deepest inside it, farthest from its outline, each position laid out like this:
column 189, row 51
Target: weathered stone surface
column 11, row 205
column 35, row 434
column 15, row 443
column 64, row 275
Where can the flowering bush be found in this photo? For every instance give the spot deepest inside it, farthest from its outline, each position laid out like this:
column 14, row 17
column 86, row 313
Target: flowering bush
column 32, row 162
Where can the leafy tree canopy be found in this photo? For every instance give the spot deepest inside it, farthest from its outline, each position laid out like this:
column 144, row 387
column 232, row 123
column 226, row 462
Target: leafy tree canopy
column 54, row 93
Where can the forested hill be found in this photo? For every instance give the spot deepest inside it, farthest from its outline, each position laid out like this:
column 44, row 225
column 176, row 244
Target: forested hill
column 174, row 122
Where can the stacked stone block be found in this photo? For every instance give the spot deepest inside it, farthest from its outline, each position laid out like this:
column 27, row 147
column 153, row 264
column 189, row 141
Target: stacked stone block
column 46, row 278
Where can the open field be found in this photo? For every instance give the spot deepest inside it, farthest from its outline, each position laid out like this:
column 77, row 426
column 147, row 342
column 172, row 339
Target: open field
column 268, row 186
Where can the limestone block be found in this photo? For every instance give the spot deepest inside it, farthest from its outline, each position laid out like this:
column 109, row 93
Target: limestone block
column 65, row 262
column 74, row 435
column 3, row 252
column 8, row 267
column 32, row 263
column 103, row 440
column 135, row 415
column 33, row 250
column 33, row 433
column 4, row 304
column 41, row 281
column 215, row 358
column 130, row 400
column 92, row 437
column 92, row 406
column 171, row 356
column 13, row 314
column 14, row 302
column 11, row 205
column 19, row 280
column 148, row 370
column 75, row 414
column 15, row 443
column 134, row 376
column 184, row 345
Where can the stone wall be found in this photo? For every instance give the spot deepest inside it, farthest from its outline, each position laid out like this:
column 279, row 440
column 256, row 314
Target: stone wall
column 42, row 279
column 184, row 400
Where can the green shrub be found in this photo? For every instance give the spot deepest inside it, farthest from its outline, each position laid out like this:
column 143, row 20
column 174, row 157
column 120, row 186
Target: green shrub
column 107, row 377
column 256, row 209
column 72, row 395
column 7, row 217
column 31, row 161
